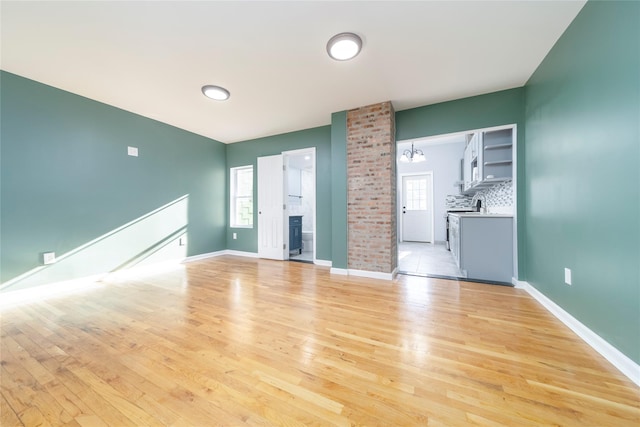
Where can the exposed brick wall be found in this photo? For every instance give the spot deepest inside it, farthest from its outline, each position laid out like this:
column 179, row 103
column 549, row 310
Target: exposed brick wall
column 371, row 203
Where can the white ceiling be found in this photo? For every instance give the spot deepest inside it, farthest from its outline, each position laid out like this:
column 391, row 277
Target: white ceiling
column 152, row 58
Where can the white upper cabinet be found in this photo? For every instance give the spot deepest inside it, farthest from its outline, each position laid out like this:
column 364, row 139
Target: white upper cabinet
column 488, row 159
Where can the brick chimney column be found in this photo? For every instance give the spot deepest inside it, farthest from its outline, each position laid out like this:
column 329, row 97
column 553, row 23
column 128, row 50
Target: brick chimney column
column 371, row 189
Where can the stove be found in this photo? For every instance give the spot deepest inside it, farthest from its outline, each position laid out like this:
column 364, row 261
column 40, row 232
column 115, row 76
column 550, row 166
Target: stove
column 454, row 210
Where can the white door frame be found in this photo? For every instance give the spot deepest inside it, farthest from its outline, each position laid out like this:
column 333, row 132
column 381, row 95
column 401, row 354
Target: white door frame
column 311, row 151
column 399, row 213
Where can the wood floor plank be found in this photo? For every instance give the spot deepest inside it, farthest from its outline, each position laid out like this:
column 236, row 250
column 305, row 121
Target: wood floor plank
column 240, row 341
column 8, row 416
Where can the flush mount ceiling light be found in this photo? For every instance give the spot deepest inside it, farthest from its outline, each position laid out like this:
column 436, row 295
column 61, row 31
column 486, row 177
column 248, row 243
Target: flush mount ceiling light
column 414, row 156
column 344, row 46
column 216, row 92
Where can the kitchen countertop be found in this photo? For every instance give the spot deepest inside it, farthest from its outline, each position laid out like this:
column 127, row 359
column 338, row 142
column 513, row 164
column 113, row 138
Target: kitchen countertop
column 480, row 215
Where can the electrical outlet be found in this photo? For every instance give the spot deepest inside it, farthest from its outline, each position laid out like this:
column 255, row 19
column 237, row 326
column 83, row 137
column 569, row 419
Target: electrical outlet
column 132, row 151
column 48, row 258
column 567, row 276
column 235, row 236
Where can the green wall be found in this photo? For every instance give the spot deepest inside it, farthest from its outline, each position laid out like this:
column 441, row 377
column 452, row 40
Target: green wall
column 247, row 153
column 477, row 112
column 66, row 179
column 583, row 181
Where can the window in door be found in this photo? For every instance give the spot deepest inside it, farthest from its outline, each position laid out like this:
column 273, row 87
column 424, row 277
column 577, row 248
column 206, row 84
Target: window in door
column 416, row 194
column 241, row 192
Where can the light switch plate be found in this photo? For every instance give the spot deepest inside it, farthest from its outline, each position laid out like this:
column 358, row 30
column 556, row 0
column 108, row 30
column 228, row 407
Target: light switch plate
column 132, row 151
column 567, row 276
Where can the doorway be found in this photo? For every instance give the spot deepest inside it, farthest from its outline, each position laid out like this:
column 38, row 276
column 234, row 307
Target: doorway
column 287, row 206
column 300, row 172
column 417, row 208
column 423, row 188
column 444, row 157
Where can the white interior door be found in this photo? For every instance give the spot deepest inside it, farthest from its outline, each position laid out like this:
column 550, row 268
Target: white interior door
column 417, row 209
column 271, row 210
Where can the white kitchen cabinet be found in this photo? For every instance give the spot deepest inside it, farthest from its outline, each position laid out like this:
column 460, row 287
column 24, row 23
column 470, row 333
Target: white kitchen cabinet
column 497, row 155
column 466, row 165
column 482, row 246
column 470, row 162
column 488, row 159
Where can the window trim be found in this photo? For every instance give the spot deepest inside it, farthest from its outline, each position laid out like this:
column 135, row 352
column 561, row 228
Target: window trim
column 233, row 198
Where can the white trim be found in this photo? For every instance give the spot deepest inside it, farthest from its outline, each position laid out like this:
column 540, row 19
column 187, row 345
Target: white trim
column 220, row 253
column 232, row 196
column 203, row 256
column 623, row 363
column 323, row 262
column 365, row 273
column 240, row 253
column 518, row 284
column 373, row 274
column 514, row 186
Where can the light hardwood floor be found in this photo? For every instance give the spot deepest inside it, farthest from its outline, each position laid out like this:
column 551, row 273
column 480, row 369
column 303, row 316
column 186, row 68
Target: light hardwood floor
column 236, row 341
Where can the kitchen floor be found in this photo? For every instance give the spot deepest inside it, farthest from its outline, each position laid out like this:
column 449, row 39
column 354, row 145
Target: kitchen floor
column 426, row 259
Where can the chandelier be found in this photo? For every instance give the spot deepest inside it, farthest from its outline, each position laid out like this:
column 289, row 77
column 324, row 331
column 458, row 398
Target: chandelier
column 414, row 155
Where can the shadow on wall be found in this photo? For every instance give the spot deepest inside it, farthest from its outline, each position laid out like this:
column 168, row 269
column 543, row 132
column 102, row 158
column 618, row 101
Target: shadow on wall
column 159, row 235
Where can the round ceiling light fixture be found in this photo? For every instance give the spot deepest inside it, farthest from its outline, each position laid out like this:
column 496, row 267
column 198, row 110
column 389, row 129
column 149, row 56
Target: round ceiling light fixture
column 216, row 92
column 344, row 46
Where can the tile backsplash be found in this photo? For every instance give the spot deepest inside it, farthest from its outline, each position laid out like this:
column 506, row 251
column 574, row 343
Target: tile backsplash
column 499, row 198
column 457, row 201
column 496, row 199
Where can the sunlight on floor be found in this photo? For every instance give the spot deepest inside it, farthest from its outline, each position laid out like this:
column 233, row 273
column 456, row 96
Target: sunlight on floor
column 44, row 292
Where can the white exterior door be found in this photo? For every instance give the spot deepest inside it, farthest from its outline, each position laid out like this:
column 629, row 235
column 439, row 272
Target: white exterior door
column 271, row 210
column 417, row 209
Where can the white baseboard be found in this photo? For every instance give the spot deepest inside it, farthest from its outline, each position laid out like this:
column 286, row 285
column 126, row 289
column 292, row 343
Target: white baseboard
column 240, row 253
column 618, row 359
column 204, row 256
column 364, row 273
column 220, row 253
column 372, row 274
column 323, row 262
